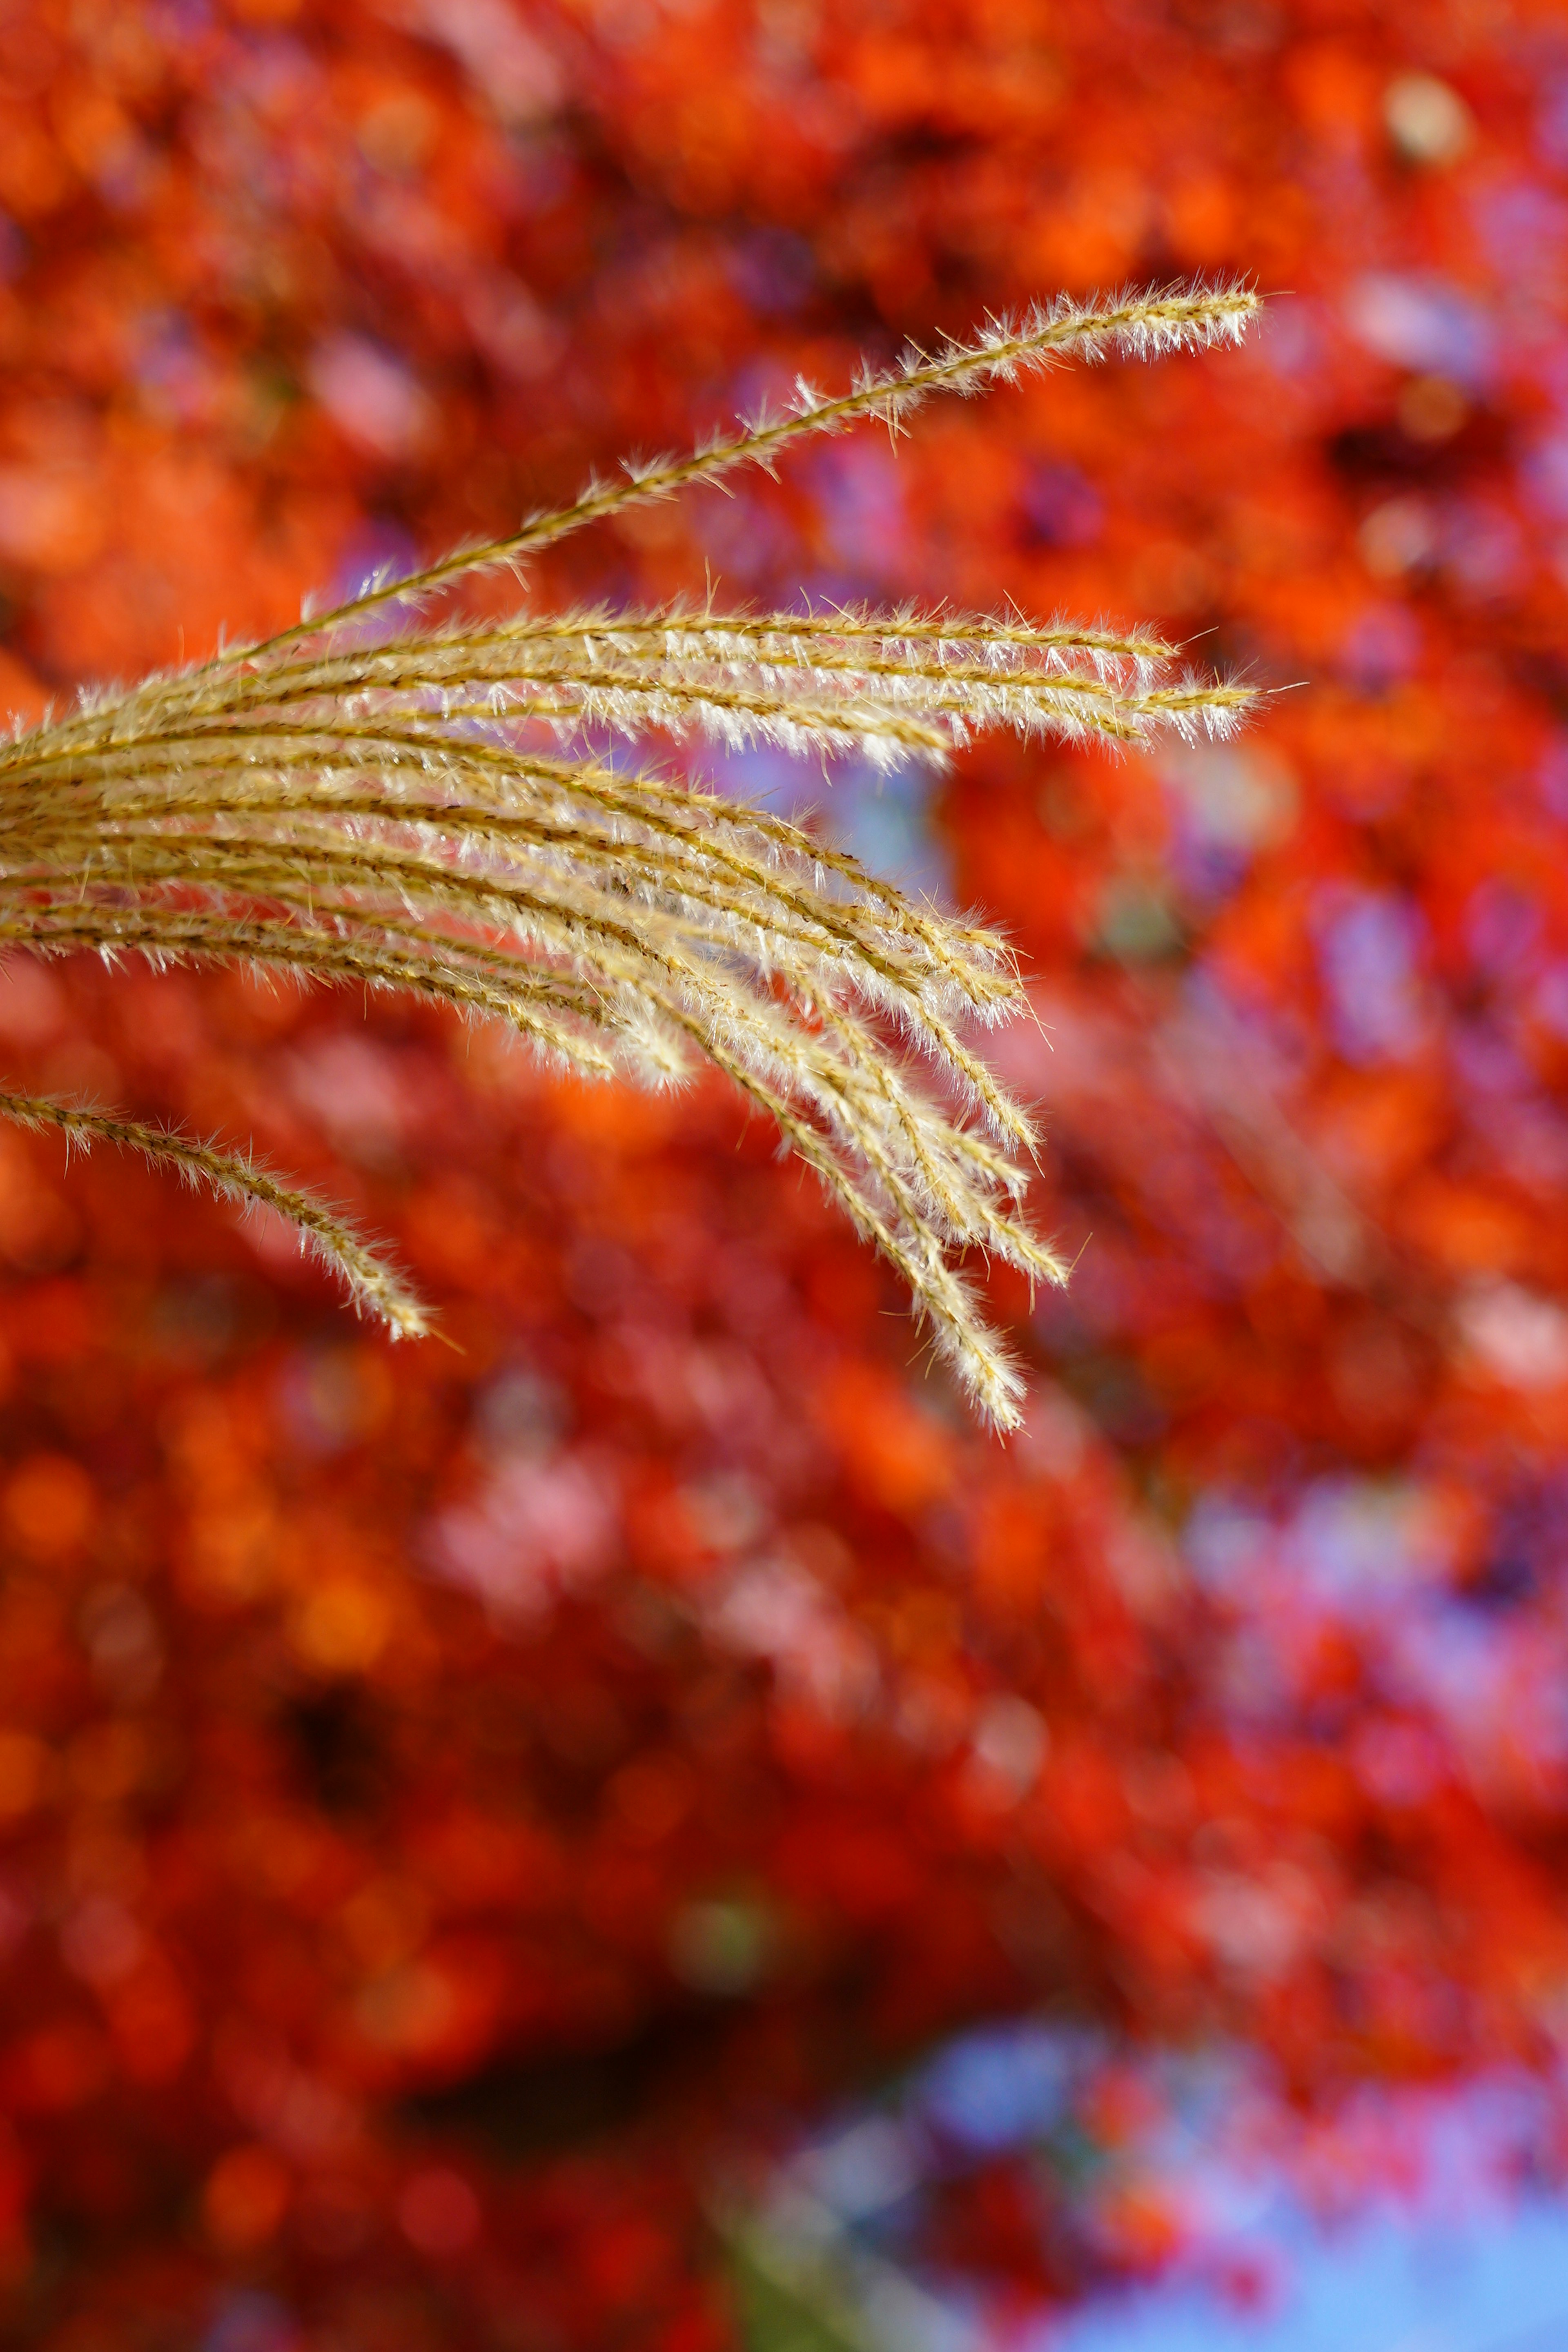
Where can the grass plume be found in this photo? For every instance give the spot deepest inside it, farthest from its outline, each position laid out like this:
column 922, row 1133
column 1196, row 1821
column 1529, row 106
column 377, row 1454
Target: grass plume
column 408, row 802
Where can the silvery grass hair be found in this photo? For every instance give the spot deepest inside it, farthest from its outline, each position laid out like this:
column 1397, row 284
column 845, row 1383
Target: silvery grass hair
column 395, row 794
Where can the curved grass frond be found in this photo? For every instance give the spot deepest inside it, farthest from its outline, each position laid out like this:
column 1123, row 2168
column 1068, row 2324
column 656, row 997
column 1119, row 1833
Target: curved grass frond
column 234, row 1176
column 413, row 807
column 1136, row 325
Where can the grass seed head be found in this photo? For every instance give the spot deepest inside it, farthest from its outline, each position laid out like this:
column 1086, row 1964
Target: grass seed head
column 389, row 794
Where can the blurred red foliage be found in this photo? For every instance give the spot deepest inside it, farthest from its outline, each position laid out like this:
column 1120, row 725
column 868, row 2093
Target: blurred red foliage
column 456, row 1799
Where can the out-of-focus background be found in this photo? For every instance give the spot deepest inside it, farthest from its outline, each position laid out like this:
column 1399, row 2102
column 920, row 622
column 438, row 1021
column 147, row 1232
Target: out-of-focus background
column 647, row 1829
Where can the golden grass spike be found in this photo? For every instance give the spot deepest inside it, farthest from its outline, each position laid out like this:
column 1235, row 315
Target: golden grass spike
column 372, row 1284
column 1138, row 324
